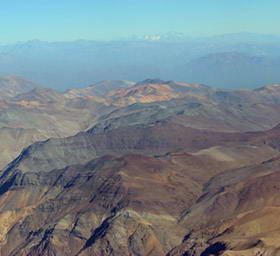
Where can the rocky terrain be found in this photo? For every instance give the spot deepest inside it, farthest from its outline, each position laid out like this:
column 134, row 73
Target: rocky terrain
column 154, row 168
column 35, row 114
column 13, row 85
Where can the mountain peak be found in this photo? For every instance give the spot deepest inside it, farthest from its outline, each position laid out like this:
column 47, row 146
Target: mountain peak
column 151, row 81
column 272, row 87
column 43, row 95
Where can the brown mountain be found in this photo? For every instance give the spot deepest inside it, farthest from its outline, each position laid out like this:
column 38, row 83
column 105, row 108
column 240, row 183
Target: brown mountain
column 132, row 204
column 128, row 205
column 155, row 90
column 160, row 168
column 99, row 89
column 40, row 114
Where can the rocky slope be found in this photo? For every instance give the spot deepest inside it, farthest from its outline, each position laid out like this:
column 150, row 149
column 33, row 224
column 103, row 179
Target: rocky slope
column 155, row 90
column 99, row 89
column 55, row 114
column 47, row 114
column 66, row 200
column 239, row 210
column 152, row 139
column 128, row 205
column 161, row 168
column 13, row 85
column 195, row 106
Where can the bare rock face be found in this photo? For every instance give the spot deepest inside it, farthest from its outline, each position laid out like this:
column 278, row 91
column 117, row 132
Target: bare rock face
column 239, row 210
column 110, row 206
column 152, row 139
column 165, row 169
column 113, row 205
column 39, row 114
column 110, row 105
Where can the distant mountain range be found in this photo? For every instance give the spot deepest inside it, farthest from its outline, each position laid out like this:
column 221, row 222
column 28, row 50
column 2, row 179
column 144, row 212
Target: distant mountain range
column 236, row 69
column 243, row 37
column 216, row 61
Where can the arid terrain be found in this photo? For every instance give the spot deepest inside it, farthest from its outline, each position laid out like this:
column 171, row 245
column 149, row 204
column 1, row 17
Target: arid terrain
column 149, row 168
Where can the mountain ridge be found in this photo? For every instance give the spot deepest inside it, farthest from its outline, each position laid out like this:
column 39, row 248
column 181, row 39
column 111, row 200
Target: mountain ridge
column 175, row 169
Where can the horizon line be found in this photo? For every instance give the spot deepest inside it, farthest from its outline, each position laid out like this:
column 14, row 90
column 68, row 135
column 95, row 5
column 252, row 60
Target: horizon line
column 144, row 37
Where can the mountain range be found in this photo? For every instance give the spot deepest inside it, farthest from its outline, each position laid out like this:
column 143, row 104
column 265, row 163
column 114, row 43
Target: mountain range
column 150, row 168
column 228, row 61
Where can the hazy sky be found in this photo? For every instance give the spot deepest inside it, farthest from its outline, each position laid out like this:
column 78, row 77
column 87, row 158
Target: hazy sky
column 58, row 20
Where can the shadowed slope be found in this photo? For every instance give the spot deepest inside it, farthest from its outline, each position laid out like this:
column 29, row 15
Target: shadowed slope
column 128, row 205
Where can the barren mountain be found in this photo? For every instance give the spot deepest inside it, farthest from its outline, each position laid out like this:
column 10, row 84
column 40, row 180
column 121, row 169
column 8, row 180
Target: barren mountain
column 128, row 205
column 40, row 114
column 195, row 106
column 12, row 85
column 158, row 168
column 99, row 89
column 155, row 90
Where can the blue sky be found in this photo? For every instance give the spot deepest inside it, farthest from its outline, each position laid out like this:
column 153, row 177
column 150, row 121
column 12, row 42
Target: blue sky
column 59, row 20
